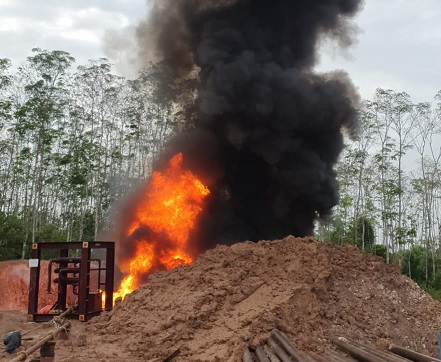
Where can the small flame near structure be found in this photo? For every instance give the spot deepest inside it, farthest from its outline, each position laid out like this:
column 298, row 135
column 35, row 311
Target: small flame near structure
column 159, row 224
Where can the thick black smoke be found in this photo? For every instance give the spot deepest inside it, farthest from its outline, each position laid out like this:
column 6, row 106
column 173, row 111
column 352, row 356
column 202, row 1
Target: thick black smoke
column 270, row 131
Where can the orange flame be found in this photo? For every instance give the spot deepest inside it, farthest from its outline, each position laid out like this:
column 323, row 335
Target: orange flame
column 170, row 203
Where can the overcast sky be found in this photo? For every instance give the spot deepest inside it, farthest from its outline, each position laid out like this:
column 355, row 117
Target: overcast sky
column 399, row 46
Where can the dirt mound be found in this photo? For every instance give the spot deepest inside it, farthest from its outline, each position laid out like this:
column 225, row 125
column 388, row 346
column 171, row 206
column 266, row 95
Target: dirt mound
column 14, row 285
column 236, row 295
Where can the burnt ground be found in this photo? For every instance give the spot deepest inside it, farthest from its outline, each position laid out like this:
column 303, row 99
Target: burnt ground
column 235, row 295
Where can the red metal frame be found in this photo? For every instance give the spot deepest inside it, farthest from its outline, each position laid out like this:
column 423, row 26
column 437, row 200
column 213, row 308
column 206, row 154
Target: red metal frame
column 83, row 311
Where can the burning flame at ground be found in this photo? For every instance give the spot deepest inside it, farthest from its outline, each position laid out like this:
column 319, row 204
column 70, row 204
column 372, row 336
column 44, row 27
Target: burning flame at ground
column 169, row 206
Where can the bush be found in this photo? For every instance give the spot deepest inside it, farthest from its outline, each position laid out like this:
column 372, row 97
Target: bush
column 11, row 236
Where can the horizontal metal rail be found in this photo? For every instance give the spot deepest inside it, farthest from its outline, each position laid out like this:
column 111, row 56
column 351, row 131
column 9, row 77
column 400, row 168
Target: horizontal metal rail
column 278, row 348
column 412, row 355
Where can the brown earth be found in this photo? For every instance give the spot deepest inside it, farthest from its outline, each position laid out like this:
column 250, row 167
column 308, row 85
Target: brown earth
column 233, row 296
column 14, row 285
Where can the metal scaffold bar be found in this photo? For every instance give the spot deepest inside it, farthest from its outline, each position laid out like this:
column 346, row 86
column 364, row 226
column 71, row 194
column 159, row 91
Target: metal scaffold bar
column 247, row 356
column 412, row 355
column 382, row 354
column 22, row 356
column 356, row 352
column 281, row 339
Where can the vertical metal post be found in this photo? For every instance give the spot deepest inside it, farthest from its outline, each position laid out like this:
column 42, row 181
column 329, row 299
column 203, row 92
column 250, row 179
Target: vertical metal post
column 34, row 282
column 62, row 287
column 110, row 264
column 83, row 293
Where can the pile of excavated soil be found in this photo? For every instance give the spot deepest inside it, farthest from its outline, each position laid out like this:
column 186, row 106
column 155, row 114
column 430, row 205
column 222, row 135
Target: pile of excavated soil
column 233, row 296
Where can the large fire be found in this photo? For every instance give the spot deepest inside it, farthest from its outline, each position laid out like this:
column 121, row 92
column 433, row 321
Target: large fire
column 168, row 208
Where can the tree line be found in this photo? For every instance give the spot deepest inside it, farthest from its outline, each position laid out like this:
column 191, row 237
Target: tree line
column 73, row 140
column 390, row 186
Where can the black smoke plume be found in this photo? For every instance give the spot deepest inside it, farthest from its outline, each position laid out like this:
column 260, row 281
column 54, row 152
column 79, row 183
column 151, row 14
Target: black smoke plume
column 269, row 130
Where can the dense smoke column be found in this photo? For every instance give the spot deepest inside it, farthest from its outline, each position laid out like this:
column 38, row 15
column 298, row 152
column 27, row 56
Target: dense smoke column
column 270, row 131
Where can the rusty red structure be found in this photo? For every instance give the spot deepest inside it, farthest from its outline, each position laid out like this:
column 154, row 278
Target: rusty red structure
column 78, row 274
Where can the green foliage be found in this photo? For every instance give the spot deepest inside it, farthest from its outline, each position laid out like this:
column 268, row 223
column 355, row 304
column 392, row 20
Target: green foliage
column 417, row 263
column 49, row 233
column 435, row 293
column 379, row 250
column 414, row 263
column 12, row 235
column 337, row 235
column 436, row 281
column 358, row 232
column 86, row 226
column 361, row 232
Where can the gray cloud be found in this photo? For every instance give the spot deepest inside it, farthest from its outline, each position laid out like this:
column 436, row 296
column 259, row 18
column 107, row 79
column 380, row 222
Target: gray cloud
column 77, row 26
column 398, row 47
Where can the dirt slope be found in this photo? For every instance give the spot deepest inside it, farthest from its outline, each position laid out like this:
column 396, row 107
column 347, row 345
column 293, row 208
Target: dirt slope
column 236, row 295
column 14, row 285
